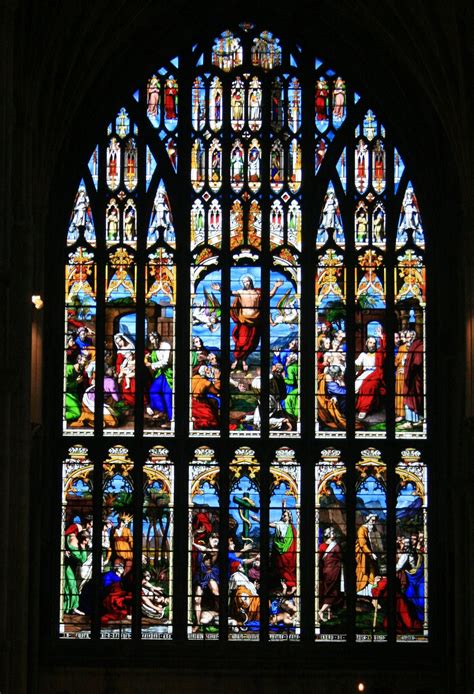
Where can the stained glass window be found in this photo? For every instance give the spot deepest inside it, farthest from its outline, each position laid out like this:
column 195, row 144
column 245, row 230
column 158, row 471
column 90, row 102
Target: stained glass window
column 245, row 392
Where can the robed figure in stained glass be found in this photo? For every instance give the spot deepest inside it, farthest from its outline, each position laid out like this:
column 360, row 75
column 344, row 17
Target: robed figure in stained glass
column 330, row 574
column 205, row 391
column 153, row 96
column 246, row 314
column 339, row 99
column 321, row 100
column 171, row 97
column 370, row 381
column 283, row 558
column 160, row 396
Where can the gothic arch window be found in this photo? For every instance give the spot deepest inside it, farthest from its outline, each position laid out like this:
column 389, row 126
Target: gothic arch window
column 244, row 408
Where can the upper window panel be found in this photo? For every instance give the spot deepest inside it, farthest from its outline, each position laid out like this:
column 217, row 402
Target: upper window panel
column 246, row 137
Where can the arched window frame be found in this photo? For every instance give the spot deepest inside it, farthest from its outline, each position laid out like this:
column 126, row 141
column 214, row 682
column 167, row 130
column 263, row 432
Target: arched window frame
column 175, row 189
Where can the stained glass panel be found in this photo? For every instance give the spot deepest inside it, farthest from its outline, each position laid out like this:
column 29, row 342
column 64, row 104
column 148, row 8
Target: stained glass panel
column 199, row 103
column 370, row 386
column 114, row 156
column 198, row 165
column 371, row 548
column 294, row 105
column 130, row 164
column 254, row 165
column 120, row 341
column 410, row 228
column 117, row 545
column 277, row 166
column 246, row 327
column 170, row 103
column 112, row 222
column 284, row 387
column 284, row 560
column 161, row 225
column 215, row 166
column 338, row 102
column 254, row 104
column 215, row 105
column 361, row 166
column 331, row 387
column 82, row 222
column 294, row 166
column 76, row 545
column 237, row 166
column 330, row 223
column 410, row 366
column 411, row 587
column 322, row 104
column 227, row 52
column 203, row 575
column 154, row 100
column 159, row 357
column 205, row 380
column 244, row 547
column 79, row 354
column 237, row 101
column 331, row 547
column 157, row 546
column 266, row 53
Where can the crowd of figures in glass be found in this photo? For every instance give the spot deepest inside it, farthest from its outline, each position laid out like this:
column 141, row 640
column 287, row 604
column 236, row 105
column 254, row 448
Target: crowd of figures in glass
column 204, row 536
column 411, row 583
column 244, row 547
column 79, row 367
column 371, row 547
column 117, row 561
column 284, row 382
column 232, row 223
column 372, row 583
column 157, row 546
column 331, row 390
column 160, row 301
column 76, row 545
column 206, row 336
column 243, row 555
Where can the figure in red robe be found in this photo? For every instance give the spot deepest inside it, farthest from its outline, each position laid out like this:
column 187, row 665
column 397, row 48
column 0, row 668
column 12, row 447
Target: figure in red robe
column 330, row 574
column 370, row 382
column 406, row 619
column 246, row 314
column 322, row 93
column 171, row 94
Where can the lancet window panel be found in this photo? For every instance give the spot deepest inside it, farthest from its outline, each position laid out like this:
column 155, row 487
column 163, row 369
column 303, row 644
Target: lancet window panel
column 245, row 309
